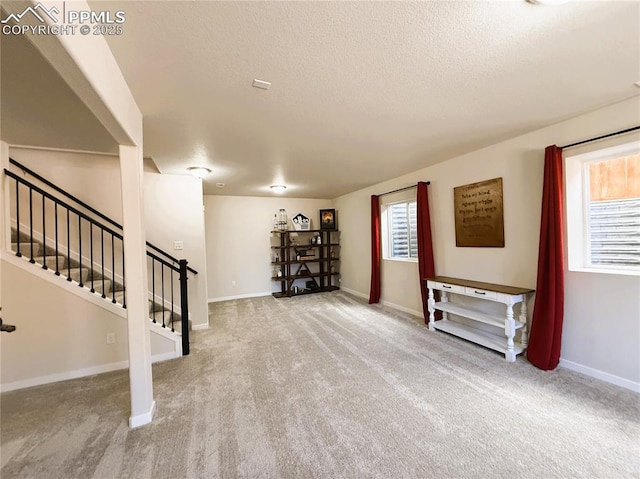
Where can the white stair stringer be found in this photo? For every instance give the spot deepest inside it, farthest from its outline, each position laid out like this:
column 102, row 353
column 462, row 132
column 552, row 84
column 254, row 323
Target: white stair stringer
column 97, row 300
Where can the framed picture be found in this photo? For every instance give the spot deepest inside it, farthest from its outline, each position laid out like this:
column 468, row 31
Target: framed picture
column 301, row 222
column 478, row 214
column 328, row 219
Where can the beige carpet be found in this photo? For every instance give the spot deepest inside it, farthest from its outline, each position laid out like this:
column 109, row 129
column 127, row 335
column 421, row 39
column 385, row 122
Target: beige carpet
column 326, row 386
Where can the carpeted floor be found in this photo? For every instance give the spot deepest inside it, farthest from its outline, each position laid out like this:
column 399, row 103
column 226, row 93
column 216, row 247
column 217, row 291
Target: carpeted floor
column 325, row 386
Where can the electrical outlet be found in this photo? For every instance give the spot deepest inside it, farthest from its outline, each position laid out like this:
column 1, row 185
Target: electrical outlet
column 178, row 245
column 111, row 338
column 233, row 284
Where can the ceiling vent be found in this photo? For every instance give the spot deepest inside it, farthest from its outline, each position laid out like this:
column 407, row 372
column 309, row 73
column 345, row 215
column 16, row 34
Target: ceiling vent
column 265, row 85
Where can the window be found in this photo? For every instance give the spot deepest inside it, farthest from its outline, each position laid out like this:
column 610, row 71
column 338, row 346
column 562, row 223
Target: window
column 603, row 210
column 399, row 229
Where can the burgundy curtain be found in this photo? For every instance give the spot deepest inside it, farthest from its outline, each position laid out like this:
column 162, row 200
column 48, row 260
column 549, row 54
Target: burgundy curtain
column 548, row 311
column 426, row 267
column 376, row 250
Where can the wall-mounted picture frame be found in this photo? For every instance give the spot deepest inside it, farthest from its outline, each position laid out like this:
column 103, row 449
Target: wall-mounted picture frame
column 479, row 217
column 328, row 219
column 301, row 222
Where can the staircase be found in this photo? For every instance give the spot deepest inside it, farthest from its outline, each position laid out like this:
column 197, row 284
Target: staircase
column 88, row 278
column 55, row 231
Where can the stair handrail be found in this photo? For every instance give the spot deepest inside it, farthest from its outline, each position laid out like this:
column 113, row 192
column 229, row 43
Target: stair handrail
column 75, row 211
column 182, row 269
column 84, row 205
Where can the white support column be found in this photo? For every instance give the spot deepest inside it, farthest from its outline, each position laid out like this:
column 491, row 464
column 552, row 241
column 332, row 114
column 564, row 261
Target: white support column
column 5, row 218
column 141, row 384
column 5, row 200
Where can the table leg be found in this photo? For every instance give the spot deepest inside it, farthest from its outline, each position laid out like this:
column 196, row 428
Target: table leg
column 524, row 334
column 510, row 331
column 432, row 309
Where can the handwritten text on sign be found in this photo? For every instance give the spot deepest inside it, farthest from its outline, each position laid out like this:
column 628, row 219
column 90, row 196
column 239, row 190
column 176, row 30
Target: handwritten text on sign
column 478, row 214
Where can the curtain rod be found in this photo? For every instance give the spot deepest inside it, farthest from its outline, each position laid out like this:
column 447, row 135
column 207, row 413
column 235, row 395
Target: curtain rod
column 578, row 143
column 402, row 189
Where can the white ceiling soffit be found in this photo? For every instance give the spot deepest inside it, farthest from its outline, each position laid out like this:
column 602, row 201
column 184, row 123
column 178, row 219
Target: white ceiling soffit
column 361, row 91
column 37, row 106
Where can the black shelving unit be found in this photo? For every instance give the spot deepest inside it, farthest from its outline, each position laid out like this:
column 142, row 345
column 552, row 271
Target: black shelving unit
column 305, row 267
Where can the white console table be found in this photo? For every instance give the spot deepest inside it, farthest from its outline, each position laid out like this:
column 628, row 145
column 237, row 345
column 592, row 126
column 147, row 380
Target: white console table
column 501, row 337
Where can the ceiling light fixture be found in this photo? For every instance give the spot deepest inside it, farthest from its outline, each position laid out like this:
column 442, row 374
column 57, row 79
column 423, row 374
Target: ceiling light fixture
column 278, row 188
column 548, row 2
column 199, row 171
column 219, row 185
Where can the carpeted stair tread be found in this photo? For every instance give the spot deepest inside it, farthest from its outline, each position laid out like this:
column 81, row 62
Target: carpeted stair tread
column 101, row 287
column 50, row 261
column 158, row 316
column 77, row 274
column 70, row 268
column 25, row 248
column 24, row 237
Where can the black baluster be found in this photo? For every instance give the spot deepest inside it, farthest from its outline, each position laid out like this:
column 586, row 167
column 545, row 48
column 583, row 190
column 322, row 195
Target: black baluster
column 162, row 282
column 44, row 237
column 184, row 307
column 93, row 290
column 19, row 252
column 153, row 289
column 80, row 249
column 102, row 259
column 68, row 246
column 113, row 270
column 172, row 327
column 124, row 283
column 55, row 209
column 31, row 260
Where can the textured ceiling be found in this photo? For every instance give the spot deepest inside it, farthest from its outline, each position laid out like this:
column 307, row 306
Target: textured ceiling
column 362, row 91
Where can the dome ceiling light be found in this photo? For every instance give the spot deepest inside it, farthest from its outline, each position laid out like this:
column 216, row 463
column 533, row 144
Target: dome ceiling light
column 278, row 188
column 199, row 171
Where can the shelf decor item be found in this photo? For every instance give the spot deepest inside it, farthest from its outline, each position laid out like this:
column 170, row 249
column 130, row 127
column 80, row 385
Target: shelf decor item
column 301, row 222
column 282, row 219
column 328, row 219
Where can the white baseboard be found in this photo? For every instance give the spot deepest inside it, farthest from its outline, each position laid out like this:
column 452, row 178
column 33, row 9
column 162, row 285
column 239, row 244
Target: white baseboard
column 239, row 296
column 157, row 358
column 200, row 327
column 596, row 373
column 401, row 308
column 142, row 419
column 354, row 292
column 54, row 378
column 388, row 304
column 78, row 373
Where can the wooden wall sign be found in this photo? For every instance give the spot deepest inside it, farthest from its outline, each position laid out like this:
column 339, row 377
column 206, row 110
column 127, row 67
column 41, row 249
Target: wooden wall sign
column 478, row 214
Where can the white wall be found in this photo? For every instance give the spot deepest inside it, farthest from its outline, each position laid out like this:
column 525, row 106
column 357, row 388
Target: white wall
column 94, row 179
column 239, row 242
column 174, row 212
column 602, row 312
column 59, row 335
column 173, row 205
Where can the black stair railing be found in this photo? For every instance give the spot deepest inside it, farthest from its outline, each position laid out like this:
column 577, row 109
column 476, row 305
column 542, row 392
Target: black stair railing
column 168, row 275
column 75, row 222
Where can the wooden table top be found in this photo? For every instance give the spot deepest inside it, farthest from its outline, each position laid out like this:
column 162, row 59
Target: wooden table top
column 500, row 288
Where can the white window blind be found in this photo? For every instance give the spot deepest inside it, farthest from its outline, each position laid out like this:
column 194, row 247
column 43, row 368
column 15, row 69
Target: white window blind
column 603, row 210
column 614, row 232
column 402, row 226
